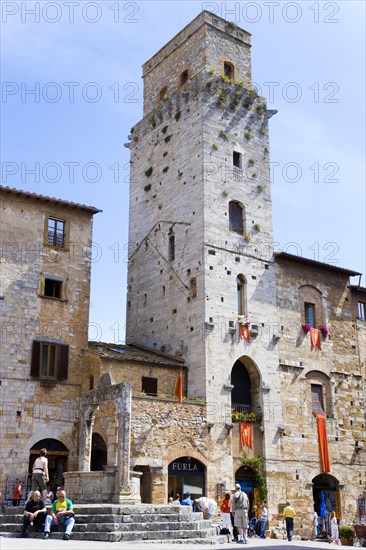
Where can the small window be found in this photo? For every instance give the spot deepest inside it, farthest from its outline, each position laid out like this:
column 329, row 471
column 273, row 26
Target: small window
column 56, row 232
column 49, row 360
column 171, row 248
column 149, row 385
column 317, row 398
column 163, row 93
column 228, row 69
column 183, row 78
column 310, row 314
column 236, row 222
column 361, row 311
column 52, row 288
column 237, row 159
column 91, row 382
column 194, row 287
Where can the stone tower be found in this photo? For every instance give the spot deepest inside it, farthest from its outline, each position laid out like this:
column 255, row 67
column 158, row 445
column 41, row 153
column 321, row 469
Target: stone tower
column 200, row 234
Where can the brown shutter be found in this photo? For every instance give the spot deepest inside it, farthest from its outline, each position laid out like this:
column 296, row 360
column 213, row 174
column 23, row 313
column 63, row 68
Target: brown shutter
column 63, row 362
column 36, row 354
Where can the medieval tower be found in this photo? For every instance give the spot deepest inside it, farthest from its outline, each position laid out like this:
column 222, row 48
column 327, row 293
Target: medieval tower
column 200, row 234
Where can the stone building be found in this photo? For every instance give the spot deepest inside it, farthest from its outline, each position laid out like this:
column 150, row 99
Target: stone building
column 209, row 301
column 45, row 288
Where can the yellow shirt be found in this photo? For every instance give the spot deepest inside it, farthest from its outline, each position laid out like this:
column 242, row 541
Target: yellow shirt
column 289, row 512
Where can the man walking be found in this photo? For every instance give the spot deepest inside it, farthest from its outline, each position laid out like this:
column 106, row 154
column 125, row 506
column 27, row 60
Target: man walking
column 62, row 513
column 240, row 504
column 288, row 516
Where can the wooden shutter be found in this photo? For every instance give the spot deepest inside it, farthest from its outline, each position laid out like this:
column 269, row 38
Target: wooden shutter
column 63, row 362
column 36, row 354
column 317, row 398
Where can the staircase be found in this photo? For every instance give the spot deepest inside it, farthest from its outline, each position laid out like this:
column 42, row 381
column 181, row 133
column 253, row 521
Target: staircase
column 114, row 523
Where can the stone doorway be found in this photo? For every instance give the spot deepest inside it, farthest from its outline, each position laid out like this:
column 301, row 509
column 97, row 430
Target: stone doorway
column 326, row 495
column 186, row 475
column 98, row 458
column 57, row 455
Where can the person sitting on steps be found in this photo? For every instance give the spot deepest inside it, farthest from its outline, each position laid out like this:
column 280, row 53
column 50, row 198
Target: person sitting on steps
column 62, row 513
column 34, row 514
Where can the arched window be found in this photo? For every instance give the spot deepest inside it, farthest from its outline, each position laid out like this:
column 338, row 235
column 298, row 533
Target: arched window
column 236, row 217
column 183, row 77
column 241, row 294
column 228, row 69
column 163, row 93
column 312, row 310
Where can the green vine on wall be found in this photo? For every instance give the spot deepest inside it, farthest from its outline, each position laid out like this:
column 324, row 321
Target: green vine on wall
column 256, row 464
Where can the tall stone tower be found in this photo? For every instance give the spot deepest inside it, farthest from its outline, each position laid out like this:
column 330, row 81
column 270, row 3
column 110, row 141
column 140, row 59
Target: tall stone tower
column 200, row 234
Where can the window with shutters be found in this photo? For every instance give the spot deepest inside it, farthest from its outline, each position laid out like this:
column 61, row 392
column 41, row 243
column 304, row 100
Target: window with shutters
column 49, row 360
column 317, row 398
column 236, row 217
column 149, row 385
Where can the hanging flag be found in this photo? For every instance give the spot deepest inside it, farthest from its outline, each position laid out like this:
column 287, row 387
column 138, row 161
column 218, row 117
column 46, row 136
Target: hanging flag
column 315, row 338
column 179, row 387
column 246, row 434
column 244, row 332
column 323, row 443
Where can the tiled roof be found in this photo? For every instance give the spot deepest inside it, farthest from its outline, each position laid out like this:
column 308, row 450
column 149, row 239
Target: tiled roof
column 134, row 354
column 314, row 263
column 46, row 199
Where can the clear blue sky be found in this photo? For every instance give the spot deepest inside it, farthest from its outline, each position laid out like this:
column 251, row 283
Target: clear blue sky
column 83, row 59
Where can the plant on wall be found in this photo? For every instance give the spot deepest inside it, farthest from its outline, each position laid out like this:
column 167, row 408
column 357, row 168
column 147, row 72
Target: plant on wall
column 223, row 135
column 147, row 187
column 259, row 188
column 248, row 135
column 256, row 227
column 149, row 171
column 256, row 464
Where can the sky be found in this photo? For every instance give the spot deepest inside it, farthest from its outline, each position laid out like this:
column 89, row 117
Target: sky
column 72, row 90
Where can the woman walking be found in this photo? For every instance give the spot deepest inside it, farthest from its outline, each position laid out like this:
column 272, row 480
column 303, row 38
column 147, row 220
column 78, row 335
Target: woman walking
column 334, row 531
column 40, row 475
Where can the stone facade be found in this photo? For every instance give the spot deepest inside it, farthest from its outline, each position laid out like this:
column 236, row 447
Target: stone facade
column 38, row 406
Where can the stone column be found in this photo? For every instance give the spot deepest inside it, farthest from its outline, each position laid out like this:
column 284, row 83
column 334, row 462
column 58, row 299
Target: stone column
column 86, row 430
column 123, row 490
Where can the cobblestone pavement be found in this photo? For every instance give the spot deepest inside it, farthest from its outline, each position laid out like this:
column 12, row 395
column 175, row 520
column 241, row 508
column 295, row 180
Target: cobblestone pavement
column 39, row 544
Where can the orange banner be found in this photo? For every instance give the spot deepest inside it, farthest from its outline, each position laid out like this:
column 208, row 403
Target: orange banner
column 323, row 442
column 246, row 434
column 179, row 388
column 315, row 338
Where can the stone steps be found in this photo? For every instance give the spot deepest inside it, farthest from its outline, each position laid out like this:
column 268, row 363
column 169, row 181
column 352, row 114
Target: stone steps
column 146, row 522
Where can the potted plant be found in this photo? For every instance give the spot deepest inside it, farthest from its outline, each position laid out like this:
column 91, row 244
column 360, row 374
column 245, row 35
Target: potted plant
column 323, row 329
column 346, row 534
column 306, row 327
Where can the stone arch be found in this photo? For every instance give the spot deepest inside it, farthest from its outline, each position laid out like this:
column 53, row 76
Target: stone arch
column 57, row 455
column 187, row 474
column 98, row 458
column 246, row 379
column 318, row 378
column 326, row 495
column 245, row 476
column 309, row 294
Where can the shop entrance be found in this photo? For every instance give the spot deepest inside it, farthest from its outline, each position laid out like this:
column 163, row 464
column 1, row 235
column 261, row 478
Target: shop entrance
column 186, row 475
column 245, row 476
column 326, row 497
column 57, row 455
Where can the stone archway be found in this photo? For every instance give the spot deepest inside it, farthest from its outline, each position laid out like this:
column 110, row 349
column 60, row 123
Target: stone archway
column 326, row 495
column 245, row 379
column 98, row 458
column 186, row 475
column 57, row 455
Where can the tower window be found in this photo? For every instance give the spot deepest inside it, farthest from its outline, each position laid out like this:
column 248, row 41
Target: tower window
column 236, row 222
column 361, row 311
column 237, row 159
column 228, row 69
column 317, row 398
column 52, row 288
column 310, row 314
column 183, row 77
column 163, row 93
column 171, row 248
column 240, row 291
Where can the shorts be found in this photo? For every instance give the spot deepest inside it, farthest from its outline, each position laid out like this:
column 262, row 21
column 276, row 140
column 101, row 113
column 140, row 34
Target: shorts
column 38, row 479
column 241, row 519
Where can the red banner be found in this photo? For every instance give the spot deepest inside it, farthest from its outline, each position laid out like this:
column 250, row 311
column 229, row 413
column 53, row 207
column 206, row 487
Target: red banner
column 179, row 388
column 244, row 332
column 315, row 338
column 323, row 442
column 246, row 434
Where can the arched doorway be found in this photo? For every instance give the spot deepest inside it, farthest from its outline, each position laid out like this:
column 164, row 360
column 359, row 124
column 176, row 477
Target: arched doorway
column 186, row 475
column 98, row 453
column 245, row 380
column 326, row 497
column 245, row 476
column 57, row 454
